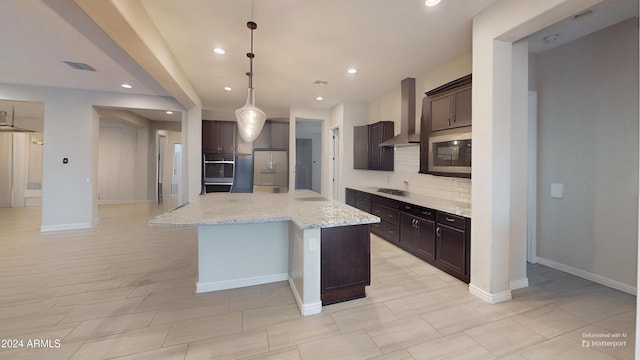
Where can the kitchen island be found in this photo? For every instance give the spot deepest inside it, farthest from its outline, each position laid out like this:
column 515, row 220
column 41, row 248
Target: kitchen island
column 320, row 246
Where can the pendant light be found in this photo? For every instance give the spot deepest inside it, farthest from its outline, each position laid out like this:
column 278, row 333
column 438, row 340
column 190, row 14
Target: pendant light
column 250, row 119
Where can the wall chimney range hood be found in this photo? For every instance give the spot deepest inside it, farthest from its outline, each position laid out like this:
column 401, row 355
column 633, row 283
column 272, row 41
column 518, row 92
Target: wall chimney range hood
column 407, row 134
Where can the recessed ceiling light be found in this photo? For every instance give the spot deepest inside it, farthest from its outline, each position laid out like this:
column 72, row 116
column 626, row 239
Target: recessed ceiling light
column 319, row 98
column 352, row 71
column 432, row 2
column 169, row 112
column 219, row 51
column 550, row 38
column 126, row 86
column 227, row 88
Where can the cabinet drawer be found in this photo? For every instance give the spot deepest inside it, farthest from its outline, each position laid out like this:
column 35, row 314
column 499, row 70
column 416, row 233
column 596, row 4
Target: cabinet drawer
column 385, row 213
column 386, row 231
column 451, row 220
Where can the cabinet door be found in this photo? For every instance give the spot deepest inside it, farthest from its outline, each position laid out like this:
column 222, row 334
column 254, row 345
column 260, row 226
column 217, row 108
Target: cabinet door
column 376, row 131
column 426, row 239
column 279, row 135
column 361, row 147
column 408, row 230
column 386, row 157
column 350, row 197
column 462, row 100
column 208, row 134
column 451, row 249
column 440, row 113
column 227, row 136
column 345, row 263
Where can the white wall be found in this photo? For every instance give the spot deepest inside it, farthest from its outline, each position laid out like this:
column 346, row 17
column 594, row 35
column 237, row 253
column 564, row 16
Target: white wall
column 69, row 191
column 123, row 163
column 494, row 31
column 588, row 141
column 6, row 144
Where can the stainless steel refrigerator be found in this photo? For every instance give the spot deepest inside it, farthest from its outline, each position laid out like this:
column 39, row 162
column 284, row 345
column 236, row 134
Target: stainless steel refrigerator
column 271, row 171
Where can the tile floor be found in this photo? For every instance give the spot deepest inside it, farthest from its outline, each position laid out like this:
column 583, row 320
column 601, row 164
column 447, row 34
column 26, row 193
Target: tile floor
column 126, row 291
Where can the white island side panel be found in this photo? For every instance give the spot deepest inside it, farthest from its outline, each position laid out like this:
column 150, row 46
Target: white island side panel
column 304, row 268
column 238, row 255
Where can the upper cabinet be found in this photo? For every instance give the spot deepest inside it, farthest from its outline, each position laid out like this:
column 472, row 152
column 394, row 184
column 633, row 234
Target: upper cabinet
column 448, row 106
column 367, row 153
column 274, row 135
column 218, row 137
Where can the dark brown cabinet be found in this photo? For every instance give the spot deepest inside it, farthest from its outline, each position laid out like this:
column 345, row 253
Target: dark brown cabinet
column 345, row 255
column 363, row 201
column 453, row 245
column 417, row 231
column 418, row 235
column 389, row 226
column 367, row 154
column 437, row 237
column 218, row 137
column 274, row 135
column 448, row 106
column 451, row 110
column 446, row 112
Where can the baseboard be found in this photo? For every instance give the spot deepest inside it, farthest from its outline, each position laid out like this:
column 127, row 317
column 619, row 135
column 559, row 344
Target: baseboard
column 122, row 202
column 305, row 309
column 519, row 284
column 589, row 276
column 65, row 227
column 488, row 297
column 237, row 283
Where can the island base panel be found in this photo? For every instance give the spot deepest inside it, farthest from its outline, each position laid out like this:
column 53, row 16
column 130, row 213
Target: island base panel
column 346, row 263
column 238, row 255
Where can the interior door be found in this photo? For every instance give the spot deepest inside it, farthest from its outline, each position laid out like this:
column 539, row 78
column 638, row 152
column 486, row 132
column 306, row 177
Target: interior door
column 304, row 164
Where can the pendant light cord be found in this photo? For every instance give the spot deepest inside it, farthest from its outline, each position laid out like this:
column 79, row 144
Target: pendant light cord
column 251, row 25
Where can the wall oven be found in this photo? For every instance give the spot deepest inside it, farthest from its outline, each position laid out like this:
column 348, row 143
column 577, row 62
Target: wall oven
column 450, row 155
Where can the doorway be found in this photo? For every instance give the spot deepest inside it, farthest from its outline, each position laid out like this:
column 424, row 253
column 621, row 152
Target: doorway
column 308, row 168
column 162, row 143
column 304, row 164
column 335, row 178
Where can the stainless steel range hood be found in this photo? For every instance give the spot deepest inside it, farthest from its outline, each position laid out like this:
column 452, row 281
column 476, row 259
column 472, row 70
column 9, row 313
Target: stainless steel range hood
column 407, row 134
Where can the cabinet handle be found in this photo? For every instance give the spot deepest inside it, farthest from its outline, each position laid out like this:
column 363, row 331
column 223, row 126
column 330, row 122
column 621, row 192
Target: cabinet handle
column 450, row 219
column 390, row 215
column 428, row 213
column 407, row 207
column 390, row 231
column 438, row 231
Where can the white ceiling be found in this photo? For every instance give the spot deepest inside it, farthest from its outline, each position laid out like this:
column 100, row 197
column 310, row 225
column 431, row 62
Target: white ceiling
column 296, row 43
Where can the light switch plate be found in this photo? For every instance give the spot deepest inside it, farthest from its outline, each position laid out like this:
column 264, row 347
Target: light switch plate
column 557, row 191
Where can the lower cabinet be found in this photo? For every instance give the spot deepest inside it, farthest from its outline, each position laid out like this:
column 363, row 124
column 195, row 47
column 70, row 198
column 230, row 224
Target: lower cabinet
column 418, row 236
column 453, row 246
column 439, row 238
column 345, row 264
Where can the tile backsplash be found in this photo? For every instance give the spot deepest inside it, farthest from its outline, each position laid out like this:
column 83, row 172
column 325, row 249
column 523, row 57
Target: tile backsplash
column 406, row 177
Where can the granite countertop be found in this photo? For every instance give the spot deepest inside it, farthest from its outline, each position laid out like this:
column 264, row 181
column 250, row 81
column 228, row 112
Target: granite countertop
column 450, row 206
column 306, row 208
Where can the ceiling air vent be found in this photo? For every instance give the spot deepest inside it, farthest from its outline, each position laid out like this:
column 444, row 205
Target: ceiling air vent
column 79, row 66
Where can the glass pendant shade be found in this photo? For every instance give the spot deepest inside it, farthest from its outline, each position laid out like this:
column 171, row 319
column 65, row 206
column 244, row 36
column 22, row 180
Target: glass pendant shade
column 250, row 119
